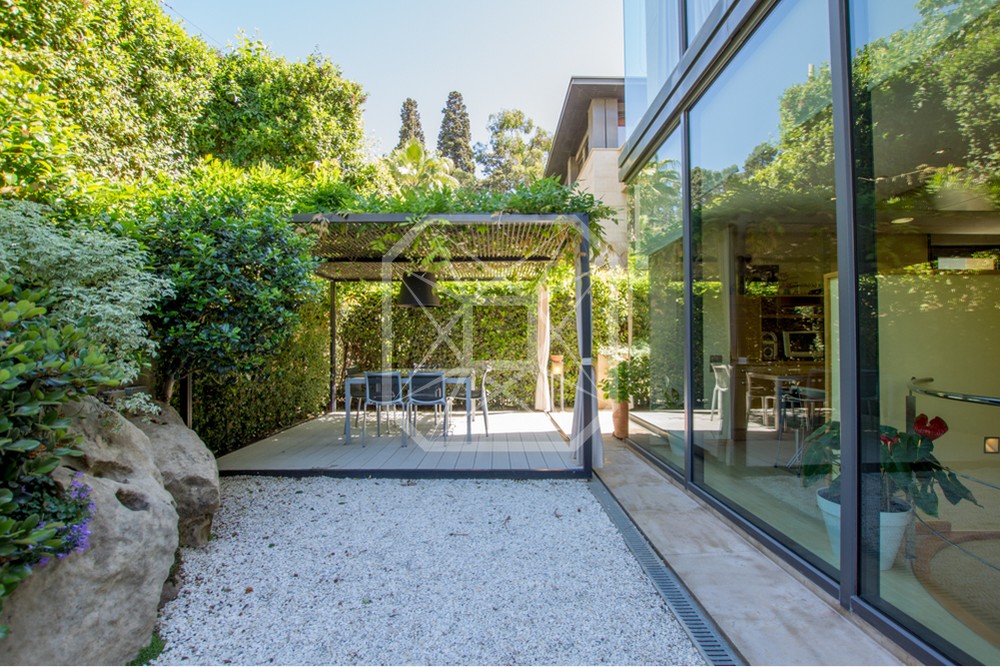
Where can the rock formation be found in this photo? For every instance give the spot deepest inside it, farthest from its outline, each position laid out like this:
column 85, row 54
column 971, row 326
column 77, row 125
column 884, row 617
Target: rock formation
column 189, row 472
column 100, row 606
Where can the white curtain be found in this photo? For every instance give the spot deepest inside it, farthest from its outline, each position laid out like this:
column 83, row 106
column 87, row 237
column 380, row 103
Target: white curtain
column 585, row 418
column 542, row 343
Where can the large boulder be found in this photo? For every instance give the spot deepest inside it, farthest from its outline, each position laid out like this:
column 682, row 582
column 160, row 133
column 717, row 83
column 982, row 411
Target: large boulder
column 99, row 607
column 189, row 471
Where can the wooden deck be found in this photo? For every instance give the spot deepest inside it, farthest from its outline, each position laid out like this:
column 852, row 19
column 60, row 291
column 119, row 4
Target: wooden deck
column 520, row 444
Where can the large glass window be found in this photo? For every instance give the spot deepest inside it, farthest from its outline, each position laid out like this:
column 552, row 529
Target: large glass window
column 927, row 136
column 765, row 300
column 652, row 49
column 696, row 12
column 657, row 278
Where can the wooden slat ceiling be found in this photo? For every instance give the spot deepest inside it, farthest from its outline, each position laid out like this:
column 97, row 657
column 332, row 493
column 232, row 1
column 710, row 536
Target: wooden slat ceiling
column 482, row 247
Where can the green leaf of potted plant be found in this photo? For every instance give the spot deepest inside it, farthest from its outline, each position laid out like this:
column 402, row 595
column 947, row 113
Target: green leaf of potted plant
column 909, row 474
column 618, row 387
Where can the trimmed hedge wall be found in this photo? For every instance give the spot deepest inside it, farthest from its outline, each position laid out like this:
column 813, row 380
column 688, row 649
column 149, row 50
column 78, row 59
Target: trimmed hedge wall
column 477, row 322
column 236, row 410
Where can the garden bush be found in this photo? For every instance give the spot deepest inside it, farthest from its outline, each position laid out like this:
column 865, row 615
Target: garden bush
column 43, row 365
column 37, row 145
column 129, row 76
column 292, row 385
column 239, row 268
column 91, row 274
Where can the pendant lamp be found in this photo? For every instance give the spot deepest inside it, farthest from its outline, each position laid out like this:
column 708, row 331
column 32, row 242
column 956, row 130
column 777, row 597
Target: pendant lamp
column 417, row 291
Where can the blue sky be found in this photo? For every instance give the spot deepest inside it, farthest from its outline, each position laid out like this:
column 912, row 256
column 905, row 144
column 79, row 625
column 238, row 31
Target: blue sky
column 500, row 54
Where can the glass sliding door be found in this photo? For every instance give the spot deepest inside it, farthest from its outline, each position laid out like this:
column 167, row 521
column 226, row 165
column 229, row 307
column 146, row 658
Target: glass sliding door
column 764, row 311
column 657, row 276
column 927, row 136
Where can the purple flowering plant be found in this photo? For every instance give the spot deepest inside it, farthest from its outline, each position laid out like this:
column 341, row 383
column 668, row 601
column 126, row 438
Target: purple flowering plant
column 67, row 512
column 43, row 366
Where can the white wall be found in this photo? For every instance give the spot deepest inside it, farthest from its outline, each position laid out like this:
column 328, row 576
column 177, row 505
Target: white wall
column 599, row 177
column 945, row 326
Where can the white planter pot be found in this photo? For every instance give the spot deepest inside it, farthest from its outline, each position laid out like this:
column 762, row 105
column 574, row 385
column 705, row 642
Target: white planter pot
column 676, row 445
column 892, row 528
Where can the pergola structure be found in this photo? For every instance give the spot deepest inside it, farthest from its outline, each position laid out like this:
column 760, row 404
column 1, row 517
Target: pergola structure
column 479, row 246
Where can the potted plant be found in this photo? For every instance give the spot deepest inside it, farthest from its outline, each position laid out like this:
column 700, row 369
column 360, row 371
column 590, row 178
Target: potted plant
column 909, row 473
column 618, row 387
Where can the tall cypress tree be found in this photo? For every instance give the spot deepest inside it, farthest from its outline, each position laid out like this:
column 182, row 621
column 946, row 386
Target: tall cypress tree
column 410, row 128
column 455, row 139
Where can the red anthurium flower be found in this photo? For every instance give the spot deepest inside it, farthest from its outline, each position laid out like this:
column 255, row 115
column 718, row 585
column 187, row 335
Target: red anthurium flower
column 933, row 429
column 888, row 440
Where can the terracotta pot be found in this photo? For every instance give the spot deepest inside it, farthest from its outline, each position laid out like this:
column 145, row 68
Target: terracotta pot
column 619, row 417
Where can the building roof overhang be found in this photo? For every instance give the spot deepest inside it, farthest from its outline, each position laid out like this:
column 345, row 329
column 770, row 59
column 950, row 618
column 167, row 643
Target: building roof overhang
column 572, row 126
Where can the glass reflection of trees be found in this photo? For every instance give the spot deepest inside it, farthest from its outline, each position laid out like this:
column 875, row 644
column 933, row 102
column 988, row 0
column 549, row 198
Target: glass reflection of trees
column 658, row 250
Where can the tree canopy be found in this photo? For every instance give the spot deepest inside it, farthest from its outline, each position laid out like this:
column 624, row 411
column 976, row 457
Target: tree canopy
column 132, row 80
column 410, row 128
column 455, row 139
column 516, row 152
column 264, row 109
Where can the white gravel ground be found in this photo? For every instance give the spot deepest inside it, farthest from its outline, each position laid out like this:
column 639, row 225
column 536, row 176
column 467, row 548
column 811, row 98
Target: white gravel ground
column 341, row 571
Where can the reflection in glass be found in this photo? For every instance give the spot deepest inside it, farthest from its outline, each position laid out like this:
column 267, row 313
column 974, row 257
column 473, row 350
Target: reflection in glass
column 697, row 11
column 657, row 277
column 652, row 49
column 764, row 277
column 926, row 90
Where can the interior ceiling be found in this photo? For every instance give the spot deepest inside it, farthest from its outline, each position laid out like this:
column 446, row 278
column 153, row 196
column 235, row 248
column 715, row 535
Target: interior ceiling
column 372, row 247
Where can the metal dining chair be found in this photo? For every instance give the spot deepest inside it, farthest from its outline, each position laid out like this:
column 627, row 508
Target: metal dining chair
column 426, row 388
column 807, row 395
column 479, row 395
column 755, row 390
column 723, row 377
column 383, row 390
column 357, row 394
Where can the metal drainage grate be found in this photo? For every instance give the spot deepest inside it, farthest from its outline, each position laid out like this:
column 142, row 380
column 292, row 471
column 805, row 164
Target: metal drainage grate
column 694, row 620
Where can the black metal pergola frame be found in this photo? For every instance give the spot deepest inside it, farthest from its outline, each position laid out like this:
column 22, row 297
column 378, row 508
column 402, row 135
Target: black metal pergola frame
column 484, row 246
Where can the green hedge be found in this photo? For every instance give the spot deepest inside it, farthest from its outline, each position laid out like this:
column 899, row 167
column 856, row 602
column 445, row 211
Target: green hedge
column 477, row 322
column 237, row 410
column 611, row 303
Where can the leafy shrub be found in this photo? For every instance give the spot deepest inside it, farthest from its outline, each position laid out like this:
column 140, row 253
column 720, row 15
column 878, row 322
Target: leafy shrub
column 36, row 142
column 292, row 385
column 131, row 78
column 240, row 270
column 90, row 274
column 43, row 365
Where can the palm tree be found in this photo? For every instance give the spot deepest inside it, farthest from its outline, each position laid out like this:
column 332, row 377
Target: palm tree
column 414, row 166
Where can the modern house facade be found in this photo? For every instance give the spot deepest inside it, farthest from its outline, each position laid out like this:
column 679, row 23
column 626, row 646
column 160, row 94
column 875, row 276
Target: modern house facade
column 585, row 150
column 815, row 202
